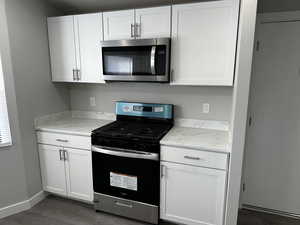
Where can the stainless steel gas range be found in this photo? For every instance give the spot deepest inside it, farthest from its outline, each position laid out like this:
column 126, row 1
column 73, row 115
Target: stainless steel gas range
column 125, row 155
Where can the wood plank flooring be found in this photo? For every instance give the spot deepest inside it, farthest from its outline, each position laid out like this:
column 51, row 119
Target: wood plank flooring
column 58, row 211
column 247, row 217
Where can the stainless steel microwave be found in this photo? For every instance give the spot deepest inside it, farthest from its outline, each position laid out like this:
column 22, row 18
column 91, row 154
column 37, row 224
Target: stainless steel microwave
column 144, row 60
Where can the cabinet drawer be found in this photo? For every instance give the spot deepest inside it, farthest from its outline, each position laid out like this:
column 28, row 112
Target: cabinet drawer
column 64, row 140
column 194, row 157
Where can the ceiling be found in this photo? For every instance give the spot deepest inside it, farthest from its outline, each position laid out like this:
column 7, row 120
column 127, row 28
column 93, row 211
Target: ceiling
column 83, row 6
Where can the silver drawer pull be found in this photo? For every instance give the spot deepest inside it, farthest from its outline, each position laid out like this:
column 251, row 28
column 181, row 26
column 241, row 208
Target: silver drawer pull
column 61, row 156
column 61, row 140
column 192, row 158
column 123, row 205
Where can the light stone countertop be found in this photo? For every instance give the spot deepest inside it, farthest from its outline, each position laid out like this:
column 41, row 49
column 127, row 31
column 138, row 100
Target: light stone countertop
column 187, row 133
column 198, row 139
column 71, row 125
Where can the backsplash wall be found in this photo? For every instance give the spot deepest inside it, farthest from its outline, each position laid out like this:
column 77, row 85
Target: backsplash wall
column 188, row 100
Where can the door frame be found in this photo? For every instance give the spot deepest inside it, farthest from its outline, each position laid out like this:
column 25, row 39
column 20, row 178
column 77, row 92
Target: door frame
column 263, row 18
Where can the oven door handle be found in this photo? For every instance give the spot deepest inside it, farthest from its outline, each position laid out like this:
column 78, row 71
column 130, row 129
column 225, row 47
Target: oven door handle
column 125, row 153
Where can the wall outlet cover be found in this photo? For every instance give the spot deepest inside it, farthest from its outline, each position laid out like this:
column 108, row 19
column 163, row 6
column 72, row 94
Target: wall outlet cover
column 205, row 108
column 92, row 101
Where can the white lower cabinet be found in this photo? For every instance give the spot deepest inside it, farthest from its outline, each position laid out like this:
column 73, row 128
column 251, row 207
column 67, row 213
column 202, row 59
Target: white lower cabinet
column 192, row 195
column 67, row 171
column 53, row 169
column 79, row 174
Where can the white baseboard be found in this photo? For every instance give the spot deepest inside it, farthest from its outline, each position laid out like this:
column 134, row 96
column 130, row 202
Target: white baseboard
column 38, row 197
column 22, row 206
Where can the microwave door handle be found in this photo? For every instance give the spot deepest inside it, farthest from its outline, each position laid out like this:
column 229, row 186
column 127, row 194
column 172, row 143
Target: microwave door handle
column 152, row 60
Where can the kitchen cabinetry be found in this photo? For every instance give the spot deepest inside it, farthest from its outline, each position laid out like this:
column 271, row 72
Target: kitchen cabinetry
column 153, row 22
column 62, row 48
column 79, row 174
column 139, row 23
column 66, row 171
column 75, row 49
column 191, row 192
column 52, row 168
column 204, row 37
column 118, row 25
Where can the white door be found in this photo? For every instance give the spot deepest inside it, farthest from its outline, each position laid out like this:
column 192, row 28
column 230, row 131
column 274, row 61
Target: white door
column 79, row 174
column 52, row 169
column 204, row 43
column 89, row 36
column 118, row 25
column 272, row 169
column 62, row 48
column 153, row 22
column 192, row 195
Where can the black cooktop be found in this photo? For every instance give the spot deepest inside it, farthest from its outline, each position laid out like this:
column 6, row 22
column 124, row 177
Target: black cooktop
column 135, row 130
column 139, row 127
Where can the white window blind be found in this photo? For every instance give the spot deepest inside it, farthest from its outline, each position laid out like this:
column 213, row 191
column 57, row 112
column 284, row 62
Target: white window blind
column 5, row 136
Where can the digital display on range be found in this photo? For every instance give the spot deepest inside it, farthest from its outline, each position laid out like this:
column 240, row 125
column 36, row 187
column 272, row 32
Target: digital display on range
column 137, row 108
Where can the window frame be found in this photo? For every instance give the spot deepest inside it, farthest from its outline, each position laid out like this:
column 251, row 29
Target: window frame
column 9, row 143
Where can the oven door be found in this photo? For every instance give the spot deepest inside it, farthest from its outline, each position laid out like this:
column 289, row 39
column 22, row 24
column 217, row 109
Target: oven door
column 136, row 60
column 126, row 174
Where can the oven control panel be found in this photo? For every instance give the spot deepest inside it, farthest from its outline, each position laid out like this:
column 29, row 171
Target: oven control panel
column 145, row 109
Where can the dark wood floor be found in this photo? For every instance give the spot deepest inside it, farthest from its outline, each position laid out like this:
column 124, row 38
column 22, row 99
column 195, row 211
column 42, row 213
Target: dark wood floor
column 247, row 217
column 58, row 211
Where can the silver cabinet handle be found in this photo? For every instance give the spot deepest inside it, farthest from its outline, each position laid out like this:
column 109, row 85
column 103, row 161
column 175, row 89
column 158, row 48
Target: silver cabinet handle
column 74, row 74
column 152, row 60
column 61, row 157
column 78, row 74
column 132, row 30
column 62, row 140
column 65, row 155
column 124, row 205
column 192, row 158
column 137, row 30
column 162, row 171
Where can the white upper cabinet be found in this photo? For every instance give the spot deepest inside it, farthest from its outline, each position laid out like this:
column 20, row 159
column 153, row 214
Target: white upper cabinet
column 204, row 37
column 75, row 48
column 89, row 36
column 153, row 22
column 139, row 23
column 118, row 25
column 62, row 48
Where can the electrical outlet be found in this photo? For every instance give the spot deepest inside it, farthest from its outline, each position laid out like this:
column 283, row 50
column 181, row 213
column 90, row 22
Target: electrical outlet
column 92, row 101
column 205, row 108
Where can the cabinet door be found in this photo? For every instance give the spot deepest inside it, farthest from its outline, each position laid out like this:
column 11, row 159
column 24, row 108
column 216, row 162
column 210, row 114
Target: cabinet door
column 153, row 22
column 62, row 48
column 89, row 36
column 79, row 174
column 118, row 25
column 192, row 195
column 53, row 169
column 204, row 39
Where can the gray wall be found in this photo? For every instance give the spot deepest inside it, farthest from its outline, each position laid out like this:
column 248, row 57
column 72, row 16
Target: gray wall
column 13, row 186
column 36, row 95
column 188, row 100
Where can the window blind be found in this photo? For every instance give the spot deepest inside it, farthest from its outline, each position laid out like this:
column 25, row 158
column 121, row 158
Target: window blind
column 5, row 136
